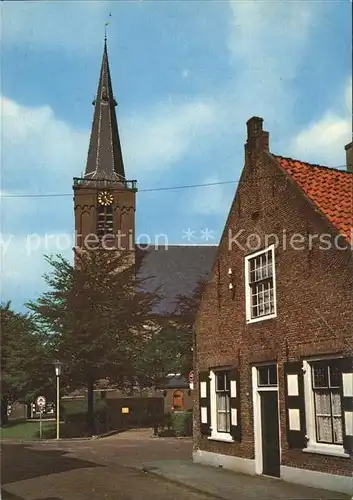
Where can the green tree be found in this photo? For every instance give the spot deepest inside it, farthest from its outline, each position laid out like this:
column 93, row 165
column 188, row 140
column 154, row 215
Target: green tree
column 96, row 310
column 168, row 348
column 25, row 359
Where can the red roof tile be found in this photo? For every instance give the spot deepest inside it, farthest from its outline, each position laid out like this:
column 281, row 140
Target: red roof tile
column 330, row 189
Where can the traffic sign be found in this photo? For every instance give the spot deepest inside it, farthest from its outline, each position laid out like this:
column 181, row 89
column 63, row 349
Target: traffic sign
column 191, row 380
column 41, row 401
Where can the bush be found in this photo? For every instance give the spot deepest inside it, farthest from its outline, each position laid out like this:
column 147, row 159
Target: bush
column 182, row 423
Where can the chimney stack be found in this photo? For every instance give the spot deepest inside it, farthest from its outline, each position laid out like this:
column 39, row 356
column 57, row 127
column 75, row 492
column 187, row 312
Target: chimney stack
column 257, row 137
column 349, row 157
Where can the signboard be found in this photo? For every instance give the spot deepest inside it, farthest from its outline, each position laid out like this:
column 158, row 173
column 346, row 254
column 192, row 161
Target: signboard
column 41, row 402
column 191, row 380
column 125, row 410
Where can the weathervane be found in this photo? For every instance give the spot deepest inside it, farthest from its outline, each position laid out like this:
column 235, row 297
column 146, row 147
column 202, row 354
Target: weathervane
column 105, row 28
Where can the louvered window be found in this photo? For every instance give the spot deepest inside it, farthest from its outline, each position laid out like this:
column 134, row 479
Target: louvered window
column 104, row 221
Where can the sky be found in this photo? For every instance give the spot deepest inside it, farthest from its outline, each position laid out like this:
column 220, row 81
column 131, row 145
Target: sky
column 187, row 76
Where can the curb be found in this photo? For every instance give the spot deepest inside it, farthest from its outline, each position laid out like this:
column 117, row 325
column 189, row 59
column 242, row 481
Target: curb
column 54, row 440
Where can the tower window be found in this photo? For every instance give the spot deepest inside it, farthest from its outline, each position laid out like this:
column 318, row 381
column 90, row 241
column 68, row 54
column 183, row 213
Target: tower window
column 104, row 220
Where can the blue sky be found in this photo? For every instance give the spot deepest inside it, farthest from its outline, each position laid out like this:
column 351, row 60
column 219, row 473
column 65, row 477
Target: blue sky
column 187, row 76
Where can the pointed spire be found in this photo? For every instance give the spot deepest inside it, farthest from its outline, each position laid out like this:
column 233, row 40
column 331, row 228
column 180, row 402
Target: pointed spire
column 105, row 159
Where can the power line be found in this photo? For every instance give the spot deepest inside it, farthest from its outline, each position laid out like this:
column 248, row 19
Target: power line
column 146, row 190
column 167, row 188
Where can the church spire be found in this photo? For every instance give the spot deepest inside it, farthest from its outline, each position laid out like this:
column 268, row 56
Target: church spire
column 105, row 159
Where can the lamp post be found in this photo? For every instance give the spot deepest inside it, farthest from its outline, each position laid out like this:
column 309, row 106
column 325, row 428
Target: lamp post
column 58, row 366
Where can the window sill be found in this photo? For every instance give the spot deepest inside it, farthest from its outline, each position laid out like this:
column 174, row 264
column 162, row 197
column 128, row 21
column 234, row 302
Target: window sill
column 226, row 438
column 333, row 451
column 260, row 318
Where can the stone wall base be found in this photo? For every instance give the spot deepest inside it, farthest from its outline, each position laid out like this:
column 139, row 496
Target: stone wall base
column 237, row 464
column 315, row 479
column 305, row 477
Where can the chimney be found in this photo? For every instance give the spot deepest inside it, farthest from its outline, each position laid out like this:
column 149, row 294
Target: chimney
column 349, row 157
column 257, row 137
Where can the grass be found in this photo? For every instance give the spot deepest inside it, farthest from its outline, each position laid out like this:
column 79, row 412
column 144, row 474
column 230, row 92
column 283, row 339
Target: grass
column 73, row 411
column 28, row 430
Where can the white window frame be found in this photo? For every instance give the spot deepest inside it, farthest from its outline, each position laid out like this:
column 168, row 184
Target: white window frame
column 249, row 319
column 314, row 446
column 257, row 389
column 215, row 435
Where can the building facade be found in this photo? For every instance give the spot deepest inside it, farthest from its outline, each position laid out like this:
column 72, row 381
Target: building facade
column 273, row 353
column 105, row 210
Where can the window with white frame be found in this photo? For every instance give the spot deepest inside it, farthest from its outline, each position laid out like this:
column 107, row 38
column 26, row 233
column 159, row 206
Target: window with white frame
column 260, row 285
column 326, row 387
column 223, row 401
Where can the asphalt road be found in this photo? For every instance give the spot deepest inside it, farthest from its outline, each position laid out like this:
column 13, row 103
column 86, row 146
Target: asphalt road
column 108, row 468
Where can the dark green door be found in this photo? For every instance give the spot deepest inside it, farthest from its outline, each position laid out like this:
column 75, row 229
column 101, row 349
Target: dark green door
column 270, row 433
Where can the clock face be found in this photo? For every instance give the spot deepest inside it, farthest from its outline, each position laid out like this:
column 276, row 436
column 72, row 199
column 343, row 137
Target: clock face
column 105, row 198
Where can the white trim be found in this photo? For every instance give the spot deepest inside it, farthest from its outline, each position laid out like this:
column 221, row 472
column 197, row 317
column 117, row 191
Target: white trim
column 224, row 436
column 315, row 479
column 327, row 449
column 313, row 446
column 257, row 417
column 249, row 319
column 257, row 423
column 216, row 436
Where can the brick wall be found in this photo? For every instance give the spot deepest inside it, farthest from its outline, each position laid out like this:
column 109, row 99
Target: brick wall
column 314, row 300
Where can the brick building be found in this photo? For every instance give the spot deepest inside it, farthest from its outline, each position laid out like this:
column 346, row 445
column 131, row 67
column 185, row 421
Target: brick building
column 105, row 207
column 273, row 337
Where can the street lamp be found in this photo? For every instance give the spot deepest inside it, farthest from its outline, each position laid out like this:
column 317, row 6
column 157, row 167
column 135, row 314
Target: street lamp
column 58, row 366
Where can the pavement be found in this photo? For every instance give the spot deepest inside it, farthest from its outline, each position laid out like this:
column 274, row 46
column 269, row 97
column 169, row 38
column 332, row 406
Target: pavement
column 227, row 485
column 130, row 466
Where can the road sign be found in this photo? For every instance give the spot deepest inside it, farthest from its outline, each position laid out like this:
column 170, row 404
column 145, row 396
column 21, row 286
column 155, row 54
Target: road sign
column 41, row 401
column 191, row 380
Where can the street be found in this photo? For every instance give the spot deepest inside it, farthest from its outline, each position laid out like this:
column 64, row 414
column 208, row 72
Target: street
column 108, row 468
column 130, row 466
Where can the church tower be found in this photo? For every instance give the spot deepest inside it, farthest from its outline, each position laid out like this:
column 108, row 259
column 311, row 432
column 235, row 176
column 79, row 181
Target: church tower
column 104, row 200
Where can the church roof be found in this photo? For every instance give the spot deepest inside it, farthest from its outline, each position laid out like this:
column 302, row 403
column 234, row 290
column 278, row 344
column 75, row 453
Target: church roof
column 176, row 269
column 105, row 159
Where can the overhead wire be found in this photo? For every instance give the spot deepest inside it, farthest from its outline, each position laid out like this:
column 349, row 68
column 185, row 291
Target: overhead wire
column 145, row 190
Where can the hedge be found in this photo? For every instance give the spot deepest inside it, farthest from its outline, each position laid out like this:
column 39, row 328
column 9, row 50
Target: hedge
column 182, row 423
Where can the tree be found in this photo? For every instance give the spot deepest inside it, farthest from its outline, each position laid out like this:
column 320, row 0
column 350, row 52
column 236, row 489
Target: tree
column 169, row 347
column 96, row 311
column 25, row 359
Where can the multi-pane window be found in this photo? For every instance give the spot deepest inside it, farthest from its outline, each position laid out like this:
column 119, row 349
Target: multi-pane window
column 260, row 280
column 326, row 385
column 267, row 376
column 223, row 401
column 104, row 221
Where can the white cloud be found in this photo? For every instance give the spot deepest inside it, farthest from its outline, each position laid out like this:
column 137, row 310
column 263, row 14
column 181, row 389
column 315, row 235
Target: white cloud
column 157, row 139
column 43, row 149
column 267, row 41
column 323, row 141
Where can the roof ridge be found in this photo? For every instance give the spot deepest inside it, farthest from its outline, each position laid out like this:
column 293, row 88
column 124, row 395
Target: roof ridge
column 317, row 165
